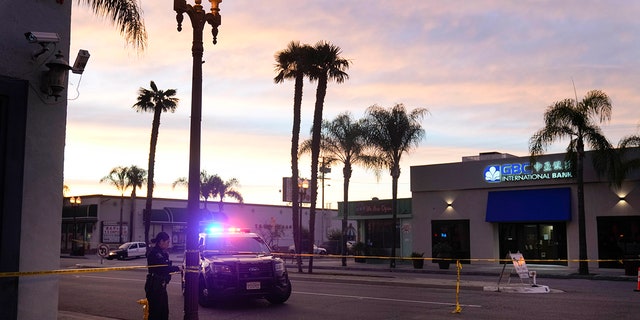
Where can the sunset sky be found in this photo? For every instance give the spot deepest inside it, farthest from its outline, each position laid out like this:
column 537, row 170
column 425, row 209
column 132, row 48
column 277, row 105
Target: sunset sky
column 485, row 70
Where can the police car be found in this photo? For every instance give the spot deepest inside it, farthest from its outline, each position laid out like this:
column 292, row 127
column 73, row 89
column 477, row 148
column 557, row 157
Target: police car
column 237, row 264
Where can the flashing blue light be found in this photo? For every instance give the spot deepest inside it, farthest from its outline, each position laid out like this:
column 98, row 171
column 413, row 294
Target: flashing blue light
column 443, row 235
column 215, row 228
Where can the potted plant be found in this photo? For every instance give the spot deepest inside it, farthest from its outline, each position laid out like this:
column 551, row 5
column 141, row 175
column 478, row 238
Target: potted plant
column 417, row 260
column 359, row 250
column 444, row 251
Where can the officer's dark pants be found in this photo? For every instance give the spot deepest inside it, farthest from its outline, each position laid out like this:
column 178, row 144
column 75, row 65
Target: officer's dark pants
column 156, row 290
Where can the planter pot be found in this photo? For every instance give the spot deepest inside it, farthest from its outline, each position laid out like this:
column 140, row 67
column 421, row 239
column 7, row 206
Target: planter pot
column 418, row 264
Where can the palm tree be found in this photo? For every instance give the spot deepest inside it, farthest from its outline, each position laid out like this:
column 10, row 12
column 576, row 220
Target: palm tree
column 118, row 178
column 325, row 64
column 127, row 15
column 156, row 101
column 208, row 187
column 343, row 140
column 626, row 164
column 392, row 132
column 136, row 177
column 292, row 63
column 226, row 189
column 578, row 121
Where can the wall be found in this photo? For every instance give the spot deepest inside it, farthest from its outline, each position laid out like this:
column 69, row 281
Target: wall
column 241, row 215
column 43, row 155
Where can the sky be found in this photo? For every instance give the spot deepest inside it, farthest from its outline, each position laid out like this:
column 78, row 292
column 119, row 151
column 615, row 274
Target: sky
column 485, row 70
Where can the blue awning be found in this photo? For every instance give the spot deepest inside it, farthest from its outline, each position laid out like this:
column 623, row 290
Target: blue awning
column 529, row 205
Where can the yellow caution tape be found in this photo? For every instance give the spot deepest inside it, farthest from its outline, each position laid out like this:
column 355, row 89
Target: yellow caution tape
column 71, row 271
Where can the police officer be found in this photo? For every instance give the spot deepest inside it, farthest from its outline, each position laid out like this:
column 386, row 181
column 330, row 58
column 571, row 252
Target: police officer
column 160, row 270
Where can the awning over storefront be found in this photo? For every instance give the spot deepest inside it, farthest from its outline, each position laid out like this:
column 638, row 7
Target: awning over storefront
column 529, row 205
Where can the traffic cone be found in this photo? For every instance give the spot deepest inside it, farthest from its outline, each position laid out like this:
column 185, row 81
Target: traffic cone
column 638, row 288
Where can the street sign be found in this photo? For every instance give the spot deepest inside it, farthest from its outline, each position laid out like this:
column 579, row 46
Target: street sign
column 103, row 250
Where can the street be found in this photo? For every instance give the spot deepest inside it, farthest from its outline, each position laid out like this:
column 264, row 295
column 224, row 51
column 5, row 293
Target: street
column 114, row 295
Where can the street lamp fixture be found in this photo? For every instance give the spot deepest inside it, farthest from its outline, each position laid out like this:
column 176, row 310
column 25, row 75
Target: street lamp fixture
column 198, row 19
column 303, row 186
column 75, row 205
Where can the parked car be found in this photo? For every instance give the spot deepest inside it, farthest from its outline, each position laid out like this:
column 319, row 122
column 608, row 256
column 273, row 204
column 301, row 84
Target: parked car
column 316, row 249
column 128, row 250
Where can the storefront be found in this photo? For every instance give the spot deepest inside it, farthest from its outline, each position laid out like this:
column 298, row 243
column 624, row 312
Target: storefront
column 375, row 225
column 494, row 203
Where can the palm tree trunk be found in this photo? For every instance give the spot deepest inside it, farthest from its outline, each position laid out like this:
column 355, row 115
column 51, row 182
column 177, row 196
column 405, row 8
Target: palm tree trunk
column 321, row 92
column 152, row 158
column 583, row 265
column 295, row 191
column 395, row 174
column 133, row 209
column 120, row 222
column 346, row 172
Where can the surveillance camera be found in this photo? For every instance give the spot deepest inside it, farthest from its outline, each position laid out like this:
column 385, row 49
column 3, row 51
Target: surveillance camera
column 81, row 61
column 42, row 37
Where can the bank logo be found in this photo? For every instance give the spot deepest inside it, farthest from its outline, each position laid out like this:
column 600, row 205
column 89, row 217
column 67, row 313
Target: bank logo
column 492, row 174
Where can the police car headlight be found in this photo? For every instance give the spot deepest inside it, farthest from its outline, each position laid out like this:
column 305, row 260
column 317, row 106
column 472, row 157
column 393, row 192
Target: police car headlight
column 279, row 267
column 221, row 268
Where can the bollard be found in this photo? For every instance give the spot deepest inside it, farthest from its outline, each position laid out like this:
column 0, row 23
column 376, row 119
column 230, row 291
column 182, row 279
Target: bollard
column 145, row 308
column 638, row 287
column 458, row 309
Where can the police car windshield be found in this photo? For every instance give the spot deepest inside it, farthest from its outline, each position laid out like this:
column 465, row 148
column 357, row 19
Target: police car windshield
column 234, row 245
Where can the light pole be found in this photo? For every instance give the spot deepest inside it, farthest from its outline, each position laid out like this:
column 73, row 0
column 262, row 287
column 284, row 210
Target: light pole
column 198, row 19
column 75, row 204
column 303, row 185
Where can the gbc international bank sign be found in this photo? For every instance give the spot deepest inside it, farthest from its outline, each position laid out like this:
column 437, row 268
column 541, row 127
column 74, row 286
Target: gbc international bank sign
column 526, row 171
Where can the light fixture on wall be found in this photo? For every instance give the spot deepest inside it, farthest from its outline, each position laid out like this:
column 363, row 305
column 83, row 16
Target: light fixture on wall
column 621, row 198
column 449, row 204
column 55, row 79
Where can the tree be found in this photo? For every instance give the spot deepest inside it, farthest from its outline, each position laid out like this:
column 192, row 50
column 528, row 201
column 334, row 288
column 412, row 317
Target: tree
column 208, row 185
column 344, row 140
column 136, row 177
column 226, row 189
column 156, row 101
column 127, row 16
column 391, row 133
column 578, row 121
column 326, row 64
column 293, row 63
column 118, row 178
column 626, row 164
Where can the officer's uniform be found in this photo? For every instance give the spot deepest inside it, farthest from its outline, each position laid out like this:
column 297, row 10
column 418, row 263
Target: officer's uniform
column 156, row 285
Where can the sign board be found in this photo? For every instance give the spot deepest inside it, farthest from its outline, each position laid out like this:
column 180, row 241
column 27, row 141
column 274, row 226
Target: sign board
column 103, row 250
column 519, row 264
column 304, row 193
column 111, row 233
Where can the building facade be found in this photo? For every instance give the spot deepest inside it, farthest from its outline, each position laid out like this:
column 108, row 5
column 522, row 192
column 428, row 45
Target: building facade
column 495, row 203
column 32, row 139
column 98, row 218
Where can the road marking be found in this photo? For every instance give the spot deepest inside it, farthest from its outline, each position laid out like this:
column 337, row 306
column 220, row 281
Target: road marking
column 386, row 299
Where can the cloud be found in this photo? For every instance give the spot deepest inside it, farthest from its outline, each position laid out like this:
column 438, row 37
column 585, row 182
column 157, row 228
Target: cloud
column 486, row 70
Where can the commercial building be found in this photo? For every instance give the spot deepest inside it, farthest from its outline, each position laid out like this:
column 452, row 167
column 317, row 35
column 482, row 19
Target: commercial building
column 97, row 219
column 495, row 203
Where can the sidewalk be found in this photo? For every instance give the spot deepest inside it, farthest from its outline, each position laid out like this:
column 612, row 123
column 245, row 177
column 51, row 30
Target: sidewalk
column 379, row 268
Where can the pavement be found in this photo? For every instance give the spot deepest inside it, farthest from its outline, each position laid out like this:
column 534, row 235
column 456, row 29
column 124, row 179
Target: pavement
column 377, row 271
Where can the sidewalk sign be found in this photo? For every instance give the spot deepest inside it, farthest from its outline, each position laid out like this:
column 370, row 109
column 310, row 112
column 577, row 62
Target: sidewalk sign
column 520, row 267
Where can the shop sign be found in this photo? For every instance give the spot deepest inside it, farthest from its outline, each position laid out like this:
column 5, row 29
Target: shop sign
column 111, row 233
column 526, row 171
column 373, row 208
